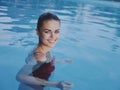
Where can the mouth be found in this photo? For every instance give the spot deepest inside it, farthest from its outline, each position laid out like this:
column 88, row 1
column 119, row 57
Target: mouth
column 52, row 41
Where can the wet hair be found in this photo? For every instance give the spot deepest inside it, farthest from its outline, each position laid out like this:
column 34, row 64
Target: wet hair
column 44, row 17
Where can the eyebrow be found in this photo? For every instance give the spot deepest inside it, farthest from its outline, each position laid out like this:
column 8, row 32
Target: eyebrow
column 50, row 29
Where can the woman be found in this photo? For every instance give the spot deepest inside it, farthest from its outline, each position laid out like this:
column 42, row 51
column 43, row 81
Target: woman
column 40, row 63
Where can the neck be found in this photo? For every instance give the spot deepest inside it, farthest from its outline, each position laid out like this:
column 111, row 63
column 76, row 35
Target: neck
column 43, row 48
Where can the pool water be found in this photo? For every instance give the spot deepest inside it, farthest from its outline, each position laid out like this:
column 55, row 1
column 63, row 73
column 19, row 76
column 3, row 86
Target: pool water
column 90, row 37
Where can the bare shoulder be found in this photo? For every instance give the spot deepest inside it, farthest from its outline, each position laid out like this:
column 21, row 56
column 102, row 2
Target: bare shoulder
column 39, row 56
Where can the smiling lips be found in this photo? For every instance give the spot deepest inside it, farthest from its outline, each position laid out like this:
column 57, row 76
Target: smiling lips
column 52, row 41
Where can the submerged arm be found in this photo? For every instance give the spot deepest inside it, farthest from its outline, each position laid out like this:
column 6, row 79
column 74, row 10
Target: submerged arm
column 24, row 76
column 63, row 60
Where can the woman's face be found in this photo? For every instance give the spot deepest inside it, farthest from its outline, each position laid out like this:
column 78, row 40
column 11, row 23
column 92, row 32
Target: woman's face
column 50, row 32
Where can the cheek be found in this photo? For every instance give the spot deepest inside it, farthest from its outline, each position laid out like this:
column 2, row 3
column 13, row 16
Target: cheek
column 58, row 36
column 45, row 36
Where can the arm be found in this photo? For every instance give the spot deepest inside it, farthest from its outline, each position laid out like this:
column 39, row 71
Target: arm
column 63, row 61
column 24, row 75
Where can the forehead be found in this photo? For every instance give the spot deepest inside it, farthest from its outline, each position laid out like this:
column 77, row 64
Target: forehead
column 51, row 24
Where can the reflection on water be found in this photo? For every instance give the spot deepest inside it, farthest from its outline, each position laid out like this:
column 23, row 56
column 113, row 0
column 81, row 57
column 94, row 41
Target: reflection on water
column 92, row 19
column 91, row 29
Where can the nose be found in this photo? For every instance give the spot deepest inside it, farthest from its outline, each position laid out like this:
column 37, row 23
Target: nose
column 52, row 35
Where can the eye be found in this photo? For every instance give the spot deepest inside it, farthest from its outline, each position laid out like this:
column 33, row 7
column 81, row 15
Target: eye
column 57, row 31
column 47, row 31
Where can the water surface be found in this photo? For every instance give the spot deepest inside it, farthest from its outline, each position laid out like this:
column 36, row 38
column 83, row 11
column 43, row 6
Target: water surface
column 90, row 36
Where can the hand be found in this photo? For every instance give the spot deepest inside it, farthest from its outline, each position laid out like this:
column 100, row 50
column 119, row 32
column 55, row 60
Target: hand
column 63, row 85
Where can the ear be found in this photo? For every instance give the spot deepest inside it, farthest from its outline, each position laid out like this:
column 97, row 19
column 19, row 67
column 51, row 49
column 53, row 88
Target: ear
column 37, row 32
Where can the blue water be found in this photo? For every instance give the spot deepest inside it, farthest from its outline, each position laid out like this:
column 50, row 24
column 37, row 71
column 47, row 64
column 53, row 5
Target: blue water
column 90, row 37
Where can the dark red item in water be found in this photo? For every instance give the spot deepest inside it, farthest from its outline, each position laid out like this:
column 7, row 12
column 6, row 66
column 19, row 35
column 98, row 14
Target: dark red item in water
column 45, row 70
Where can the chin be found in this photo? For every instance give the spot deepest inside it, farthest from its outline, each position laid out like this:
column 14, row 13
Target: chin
column 51, row 46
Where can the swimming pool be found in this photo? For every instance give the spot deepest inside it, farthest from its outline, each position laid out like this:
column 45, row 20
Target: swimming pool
column 90, row 36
